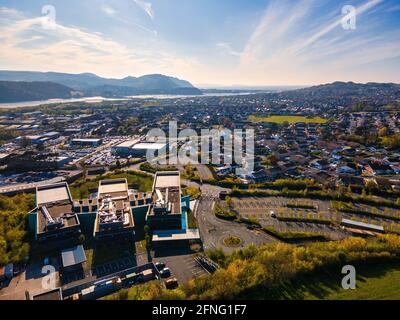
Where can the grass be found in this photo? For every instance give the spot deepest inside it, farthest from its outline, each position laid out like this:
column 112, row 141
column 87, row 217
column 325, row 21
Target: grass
column 289, row 119
column 293, row 236
column 375, row 281
column 192, row 222
column 81, row 189
column 232, row 241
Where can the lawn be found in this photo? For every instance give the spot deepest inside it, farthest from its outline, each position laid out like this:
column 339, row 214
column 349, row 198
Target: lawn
column 81, row 188
column 375, row 281
column 289, row 119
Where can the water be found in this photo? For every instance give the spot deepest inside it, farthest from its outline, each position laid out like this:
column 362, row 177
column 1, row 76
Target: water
column 100, row 99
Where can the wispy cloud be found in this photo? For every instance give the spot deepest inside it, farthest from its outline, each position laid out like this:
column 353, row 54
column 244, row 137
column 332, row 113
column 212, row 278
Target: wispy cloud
column 297, row 42
column 72, row 49
column 338, row 22
column 228, row 49
column 108, row 10
column 146, row 7
column 111, row 12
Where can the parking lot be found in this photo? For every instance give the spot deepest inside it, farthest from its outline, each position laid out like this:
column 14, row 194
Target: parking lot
column 183, row 267
column 260, row 208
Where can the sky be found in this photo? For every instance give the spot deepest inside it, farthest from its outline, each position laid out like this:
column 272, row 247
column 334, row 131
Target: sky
column 207, row 42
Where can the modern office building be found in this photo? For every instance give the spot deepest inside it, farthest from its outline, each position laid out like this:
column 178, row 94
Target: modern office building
column 136, row 148
column 86, row 142
column 166, row 213
column 114, row 213
column 167, row 216
column 54, row 215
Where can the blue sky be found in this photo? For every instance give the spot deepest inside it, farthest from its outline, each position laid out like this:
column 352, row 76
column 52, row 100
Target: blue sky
column 208, row 42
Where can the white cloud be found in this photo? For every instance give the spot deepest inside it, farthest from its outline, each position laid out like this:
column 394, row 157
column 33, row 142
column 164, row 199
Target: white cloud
column 146, row 7
column 228, row 49
column 108, row 10
column 360, row 10
column 293, row 44
column 74, row 50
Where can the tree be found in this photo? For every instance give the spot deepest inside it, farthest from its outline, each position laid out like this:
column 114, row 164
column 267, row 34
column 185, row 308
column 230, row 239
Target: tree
column 383, row 132
column 148, row 237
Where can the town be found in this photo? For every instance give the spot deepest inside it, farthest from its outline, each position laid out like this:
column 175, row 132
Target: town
column 85, row 199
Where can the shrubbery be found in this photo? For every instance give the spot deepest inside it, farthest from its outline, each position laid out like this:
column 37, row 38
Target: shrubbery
column 153, row 169
column 255, row 272
column 14, row 246
column 223, row 213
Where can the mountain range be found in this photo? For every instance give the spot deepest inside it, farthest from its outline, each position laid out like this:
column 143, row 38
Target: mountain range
column 87, row 84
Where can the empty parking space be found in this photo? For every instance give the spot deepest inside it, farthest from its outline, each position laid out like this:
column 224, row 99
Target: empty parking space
column 183, row 267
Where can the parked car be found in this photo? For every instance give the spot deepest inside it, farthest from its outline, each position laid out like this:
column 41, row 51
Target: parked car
column 165, row 273
column 171, row 283
column 160, row 265
column 273, row 214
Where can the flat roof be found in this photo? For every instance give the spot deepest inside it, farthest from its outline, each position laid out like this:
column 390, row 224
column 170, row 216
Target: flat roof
column 86, row 140
column 149, row 146
column 73, row 256
column 113, row 186
column 4, row 155
column 53, row 295
column 128, row 143
column 167, row 179
column 191, row 234
column 362, row 224
column 52, row 193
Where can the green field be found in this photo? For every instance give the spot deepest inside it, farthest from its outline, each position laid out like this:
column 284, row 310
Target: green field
column 82, row 187
column 288, row 119
column 374, row 282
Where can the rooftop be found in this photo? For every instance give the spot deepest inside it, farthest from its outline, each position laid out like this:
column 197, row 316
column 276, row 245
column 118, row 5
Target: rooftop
column 53, row 295
column 128, row 143
column 167, row 179
column 73, row 256
column 55, row 210
column 52, row 193
column 166, row 193
column 114, row 209
column 116, row 187
column 149, row 146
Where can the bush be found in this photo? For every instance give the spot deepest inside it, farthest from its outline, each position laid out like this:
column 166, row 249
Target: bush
column 222, row 213
column 257, row 272
column 14, row 245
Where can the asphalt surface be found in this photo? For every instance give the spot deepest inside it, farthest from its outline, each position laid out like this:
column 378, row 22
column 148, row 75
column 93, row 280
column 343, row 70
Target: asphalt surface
column 214, row 230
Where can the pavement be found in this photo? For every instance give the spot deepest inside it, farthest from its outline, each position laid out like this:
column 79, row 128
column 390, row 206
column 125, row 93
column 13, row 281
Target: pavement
column 29, row 280
column 214, row 230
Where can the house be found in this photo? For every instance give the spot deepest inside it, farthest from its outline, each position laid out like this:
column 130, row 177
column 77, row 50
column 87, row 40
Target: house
column 320, row 164
column 346, row 170
column 378, row 168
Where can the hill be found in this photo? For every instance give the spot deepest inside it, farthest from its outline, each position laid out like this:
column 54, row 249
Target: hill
column 16, row 91
column 92, row 84
column 352, row 89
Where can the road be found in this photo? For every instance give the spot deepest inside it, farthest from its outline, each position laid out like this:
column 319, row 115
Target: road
column 214, row 230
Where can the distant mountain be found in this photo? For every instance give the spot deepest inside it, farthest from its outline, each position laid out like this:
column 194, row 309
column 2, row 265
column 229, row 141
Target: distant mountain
column 344, row 89
column 92, row 84
column 16, row 91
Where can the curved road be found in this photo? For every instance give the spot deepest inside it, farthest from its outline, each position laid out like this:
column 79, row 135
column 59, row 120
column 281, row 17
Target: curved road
column 214, row 230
